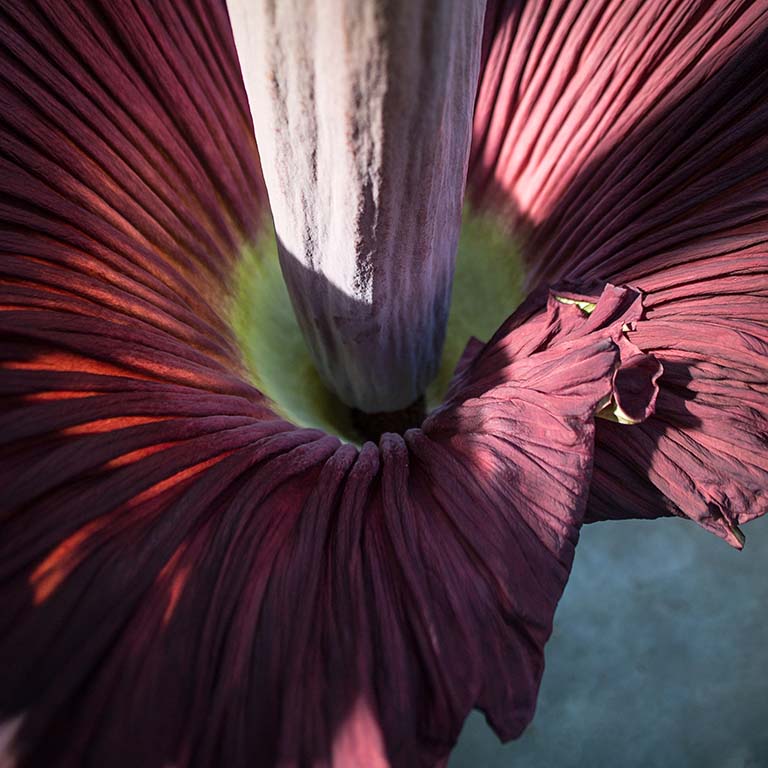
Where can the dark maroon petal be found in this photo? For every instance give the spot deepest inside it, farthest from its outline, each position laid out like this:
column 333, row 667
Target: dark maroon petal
column 185, row 579
column 188, row 581
column 629, row 141
column 507, row 460
column 126, row 138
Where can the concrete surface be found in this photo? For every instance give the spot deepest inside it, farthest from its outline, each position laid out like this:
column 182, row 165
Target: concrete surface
column 657, row 660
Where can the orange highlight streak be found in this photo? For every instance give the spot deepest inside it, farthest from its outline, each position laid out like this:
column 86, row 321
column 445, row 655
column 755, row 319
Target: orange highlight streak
column 176, row 479
column 177, row 578
column 47, row 577
column 60, row 394
column 111, row 424
column 66, row 362
column 137, row 455
column 174, row 593
column 62, row 561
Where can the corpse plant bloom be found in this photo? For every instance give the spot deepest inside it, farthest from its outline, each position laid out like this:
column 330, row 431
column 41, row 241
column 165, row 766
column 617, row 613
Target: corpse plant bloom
column 189, row 579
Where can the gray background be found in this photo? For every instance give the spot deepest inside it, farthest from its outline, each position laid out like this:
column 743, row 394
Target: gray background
column 657, row 660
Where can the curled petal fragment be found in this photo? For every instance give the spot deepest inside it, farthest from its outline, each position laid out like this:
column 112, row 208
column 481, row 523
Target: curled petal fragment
column 635, row 387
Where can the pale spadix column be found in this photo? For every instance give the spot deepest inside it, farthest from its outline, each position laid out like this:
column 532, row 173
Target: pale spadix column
column 363, row 111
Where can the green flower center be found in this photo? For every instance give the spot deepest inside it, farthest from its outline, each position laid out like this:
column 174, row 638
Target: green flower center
column 487, row 287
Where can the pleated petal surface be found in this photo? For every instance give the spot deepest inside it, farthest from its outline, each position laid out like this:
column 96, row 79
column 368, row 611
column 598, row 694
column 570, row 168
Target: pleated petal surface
column 629, row 142
column 187, row 579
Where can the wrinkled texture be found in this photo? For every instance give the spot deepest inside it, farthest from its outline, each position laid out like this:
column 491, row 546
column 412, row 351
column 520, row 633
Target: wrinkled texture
column 188, row 580
column 185, row 578
column 630, row 141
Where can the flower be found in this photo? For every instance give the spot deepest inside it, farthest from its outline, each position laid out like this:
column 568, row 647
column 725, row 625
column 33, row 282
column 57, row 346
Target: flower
column 189, row 579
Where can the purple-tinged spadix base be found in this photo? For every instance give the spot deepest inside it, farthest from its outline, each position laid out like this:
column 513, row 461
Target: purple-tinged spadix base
column 363, row 116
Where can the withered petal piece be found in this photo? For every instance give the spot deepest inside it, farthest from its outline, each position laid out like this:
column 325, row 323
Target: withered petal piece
column 630, row 142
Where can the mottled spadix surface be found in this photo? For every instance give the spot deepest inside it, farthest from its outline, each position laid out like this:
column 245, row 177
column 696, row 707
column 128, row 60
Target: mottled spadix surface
column 655, row 657
column 362, row 113
column 486, row 288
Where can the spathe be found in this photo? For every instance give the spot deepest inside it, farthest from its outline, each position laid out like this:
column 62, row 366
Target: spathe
column 186, row 578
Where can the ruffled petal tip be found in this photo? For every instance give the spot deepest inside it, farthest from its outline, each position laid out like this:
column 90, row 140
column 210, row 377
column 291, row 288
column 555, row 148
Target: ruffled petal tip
column 703, row 494
column 603, row 309
column 635, row 381
column 703, row 455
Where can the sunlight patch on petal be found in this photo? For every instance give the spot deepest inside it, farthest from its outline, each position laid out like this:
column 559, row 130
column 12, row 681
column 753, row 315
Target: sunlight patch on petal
column 8, row 731
column 359, row 741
